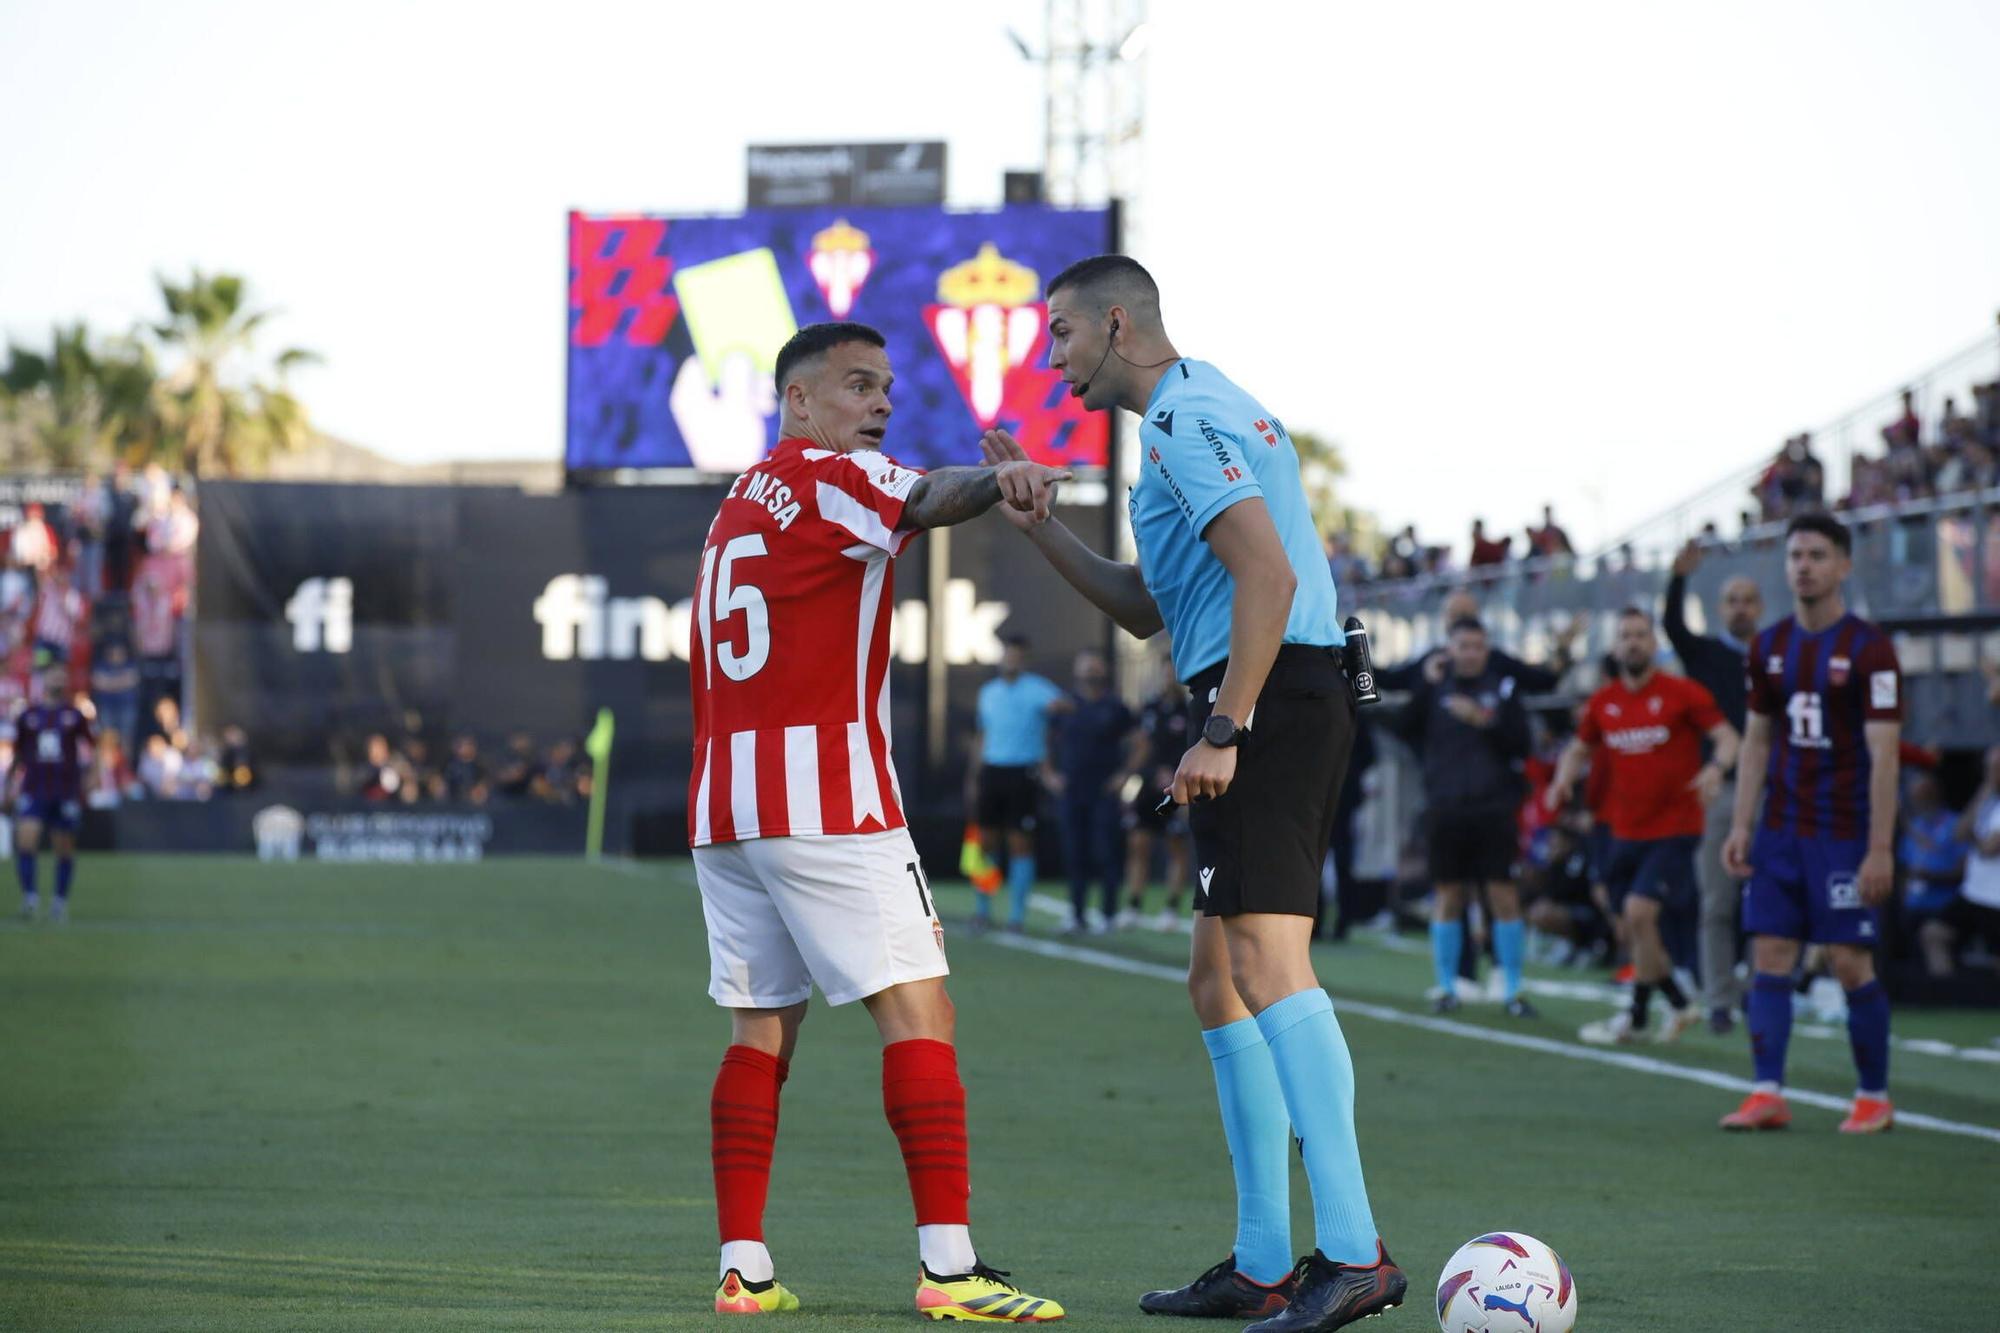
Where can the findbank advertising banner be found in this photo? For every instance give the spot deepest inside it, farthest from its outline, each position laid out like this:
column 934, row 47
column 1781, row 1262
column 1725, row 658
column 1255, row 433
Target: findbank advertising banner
column 327, row 612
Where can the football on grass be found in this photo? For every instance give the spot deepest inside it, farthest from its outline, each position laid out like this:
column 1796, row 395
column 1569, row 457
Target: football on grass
column 1505, row 1282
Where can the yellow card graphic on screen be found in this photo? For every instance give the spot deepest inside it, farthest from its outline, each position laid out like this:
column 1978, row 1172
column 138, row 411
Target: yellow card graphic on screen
column 736, row 305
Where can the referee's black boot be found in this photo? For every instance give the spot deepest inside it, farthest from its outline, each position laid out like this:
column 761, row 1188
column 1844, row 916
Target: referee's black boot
column 1332, row 1295
column 1221, row 1293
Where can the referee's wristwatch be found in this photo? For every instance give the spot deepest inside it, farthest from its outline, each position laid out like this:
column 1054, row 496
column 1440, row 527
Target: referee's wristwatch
column 1222, row 732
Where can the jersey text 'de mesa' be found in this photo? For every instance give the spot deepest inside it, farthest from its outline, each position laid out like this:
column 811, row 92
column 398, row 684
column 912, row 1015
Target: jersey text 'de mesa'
column 790, row 649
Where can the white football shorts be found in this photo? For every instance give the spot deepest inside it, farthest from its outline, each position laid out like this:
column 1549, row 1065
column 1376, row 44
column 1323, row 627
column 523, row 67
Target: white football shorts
column 851, row 913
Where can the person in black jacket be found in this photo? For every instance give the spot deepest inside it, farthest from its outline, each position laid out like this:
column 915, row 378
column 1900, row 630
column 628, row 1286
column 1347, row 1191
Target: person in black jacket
column 1430, row 667
column 1471, row 733
column 1715, row 661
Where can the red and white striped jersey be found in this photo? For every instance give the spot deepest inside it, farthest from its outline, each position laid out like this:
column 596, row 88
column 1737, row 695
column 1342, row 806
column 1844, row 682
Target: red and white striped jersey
column 790, row 649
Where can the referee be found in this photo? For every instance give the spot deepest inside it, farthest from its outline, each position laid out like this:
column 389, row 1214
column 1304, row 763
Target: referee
column 1231, row 567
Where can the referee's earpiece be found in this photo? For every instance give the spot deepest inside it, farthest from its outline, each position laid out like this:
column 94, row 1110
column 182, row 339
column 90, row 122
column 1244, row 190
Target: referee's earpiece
column 1078, row 390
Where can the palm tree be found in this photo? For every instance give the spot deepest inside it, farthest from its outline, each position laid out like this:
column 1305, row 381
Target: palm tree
column 219, row 419
column 80, row 404
column 1320, row 469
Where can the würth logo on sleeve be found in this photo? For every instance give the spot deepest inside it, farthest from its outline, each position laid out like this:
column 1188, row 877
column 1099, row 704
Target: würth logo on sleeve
column 1265, row 429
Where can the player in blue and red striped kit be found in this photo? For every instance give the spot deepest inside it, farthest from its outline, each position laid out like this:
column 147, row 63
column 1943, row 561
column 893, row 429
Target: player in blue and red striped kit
column 1820, row 752
column 46, row 784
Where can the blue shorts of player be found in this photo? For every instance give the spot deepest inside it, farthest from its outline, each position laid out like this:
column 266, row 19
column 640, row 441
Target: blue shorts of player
column 1808, row 889
column 57, row 814
column 1658, row 868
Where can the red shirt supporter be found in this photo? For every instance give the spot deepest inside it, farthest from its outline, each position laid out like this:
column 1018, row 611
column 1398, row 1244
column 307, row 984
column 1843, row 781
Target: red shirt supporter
column 792, row 729
column 1651, row 739
column 156, row 612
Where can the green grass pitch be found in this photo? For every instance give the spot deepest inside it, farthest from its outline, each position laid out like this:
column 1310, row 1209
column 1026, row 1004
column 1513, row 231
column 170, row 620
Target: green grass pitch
column 243, row 1097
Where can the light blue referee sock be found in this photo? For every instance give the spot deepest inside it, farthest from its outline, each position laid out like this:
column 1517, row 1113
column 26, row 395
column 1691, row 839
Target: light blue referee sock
column 1317, row 1075
column 1510, row 946
column 1020, row 880
column 1447, row 941
column 1260, row 1142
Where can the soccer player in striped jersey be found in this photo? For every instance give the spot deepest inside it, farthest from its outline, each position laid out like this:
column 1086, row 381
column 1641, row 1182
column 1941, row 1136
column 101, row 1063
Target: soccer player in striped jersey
column 804, row 862
column 1820, row 752
column 51, row 740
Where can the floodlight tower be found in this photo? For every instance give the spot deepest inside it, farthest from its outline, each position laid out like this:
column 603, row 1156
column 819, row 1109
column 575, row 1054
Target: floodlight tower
column 1093, row 61
column 1094, row 83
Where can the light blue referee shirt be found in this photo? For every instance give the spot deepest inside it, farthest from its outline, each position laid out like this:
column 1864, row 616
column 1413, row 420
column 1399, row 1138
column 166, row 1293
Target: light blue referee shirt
column 1204, row 445
column 1014, row 720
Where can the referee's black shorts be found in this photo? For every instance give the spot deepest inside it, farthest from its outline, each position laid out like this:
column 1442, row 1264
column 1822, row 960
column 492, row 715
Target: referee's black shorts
column 1259, row 846
column 1009, row 796
column 1471, row 845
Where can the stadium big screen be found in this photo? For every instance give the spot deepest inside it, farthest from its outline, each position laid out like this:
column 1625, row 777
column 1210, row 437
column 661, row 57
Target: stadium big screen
column 675, row 325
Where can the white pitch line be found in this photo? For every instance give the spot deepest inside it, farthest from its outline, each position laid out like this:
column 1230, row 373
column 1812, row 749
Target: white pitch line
column 1618, row 997
column 1643, row 1064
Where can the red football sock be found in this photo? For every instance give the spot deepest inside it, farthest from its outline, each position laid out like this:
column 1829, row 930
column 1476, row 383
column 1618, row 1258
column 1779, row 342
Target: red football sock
column 926, row 1106
column 743, row 1121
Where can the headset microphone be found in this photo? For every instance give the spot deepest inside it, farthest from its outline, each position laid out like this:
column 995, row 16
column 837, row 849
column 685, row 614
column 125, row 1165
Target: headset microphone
column 1080, row 389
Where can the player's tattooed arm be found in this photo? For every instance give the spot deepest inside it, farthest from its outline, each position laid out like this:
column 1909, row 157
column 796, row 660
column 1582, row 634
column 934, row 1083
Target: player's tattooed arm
column 949, row 495
column 955, row 494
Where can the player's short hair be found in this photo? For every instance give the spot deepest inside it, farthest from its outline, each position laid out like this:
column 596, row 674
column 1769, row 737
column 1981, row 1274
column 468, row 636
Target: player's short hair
column 1639, row 611
column 814, row 341
column 1824, row 525
column 1108, row 280
column 1473, row 623
column 1014, row 641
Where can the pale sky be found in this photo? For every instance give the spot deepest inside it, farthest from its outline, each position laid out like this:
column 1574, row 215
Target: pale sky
column 1598, row 253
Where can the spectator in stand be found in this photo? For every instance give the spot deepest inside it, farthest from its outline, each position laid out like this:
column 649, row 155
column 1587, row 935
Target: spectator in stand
column 1986, row 412
column 1794, row 483
column 58, row 619
column 1485, row 550
column 111, row 778
column 1906, row 431
column 1932, row 856
column 17, row 593
column 384, row 775
column 425, row 782
column 34, row 542
column 87, row 519
column 1549, row 540
column 114, row 689
column 1975, row 913
column 168, row 773
column 1716, row 663
column 154, row 489
column 235, row 768
column 518, row 769
column 156, row 636
column 121, row 507
column 1400, row 560
column 464, row 776
column 171, row 534
column 562, row 778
